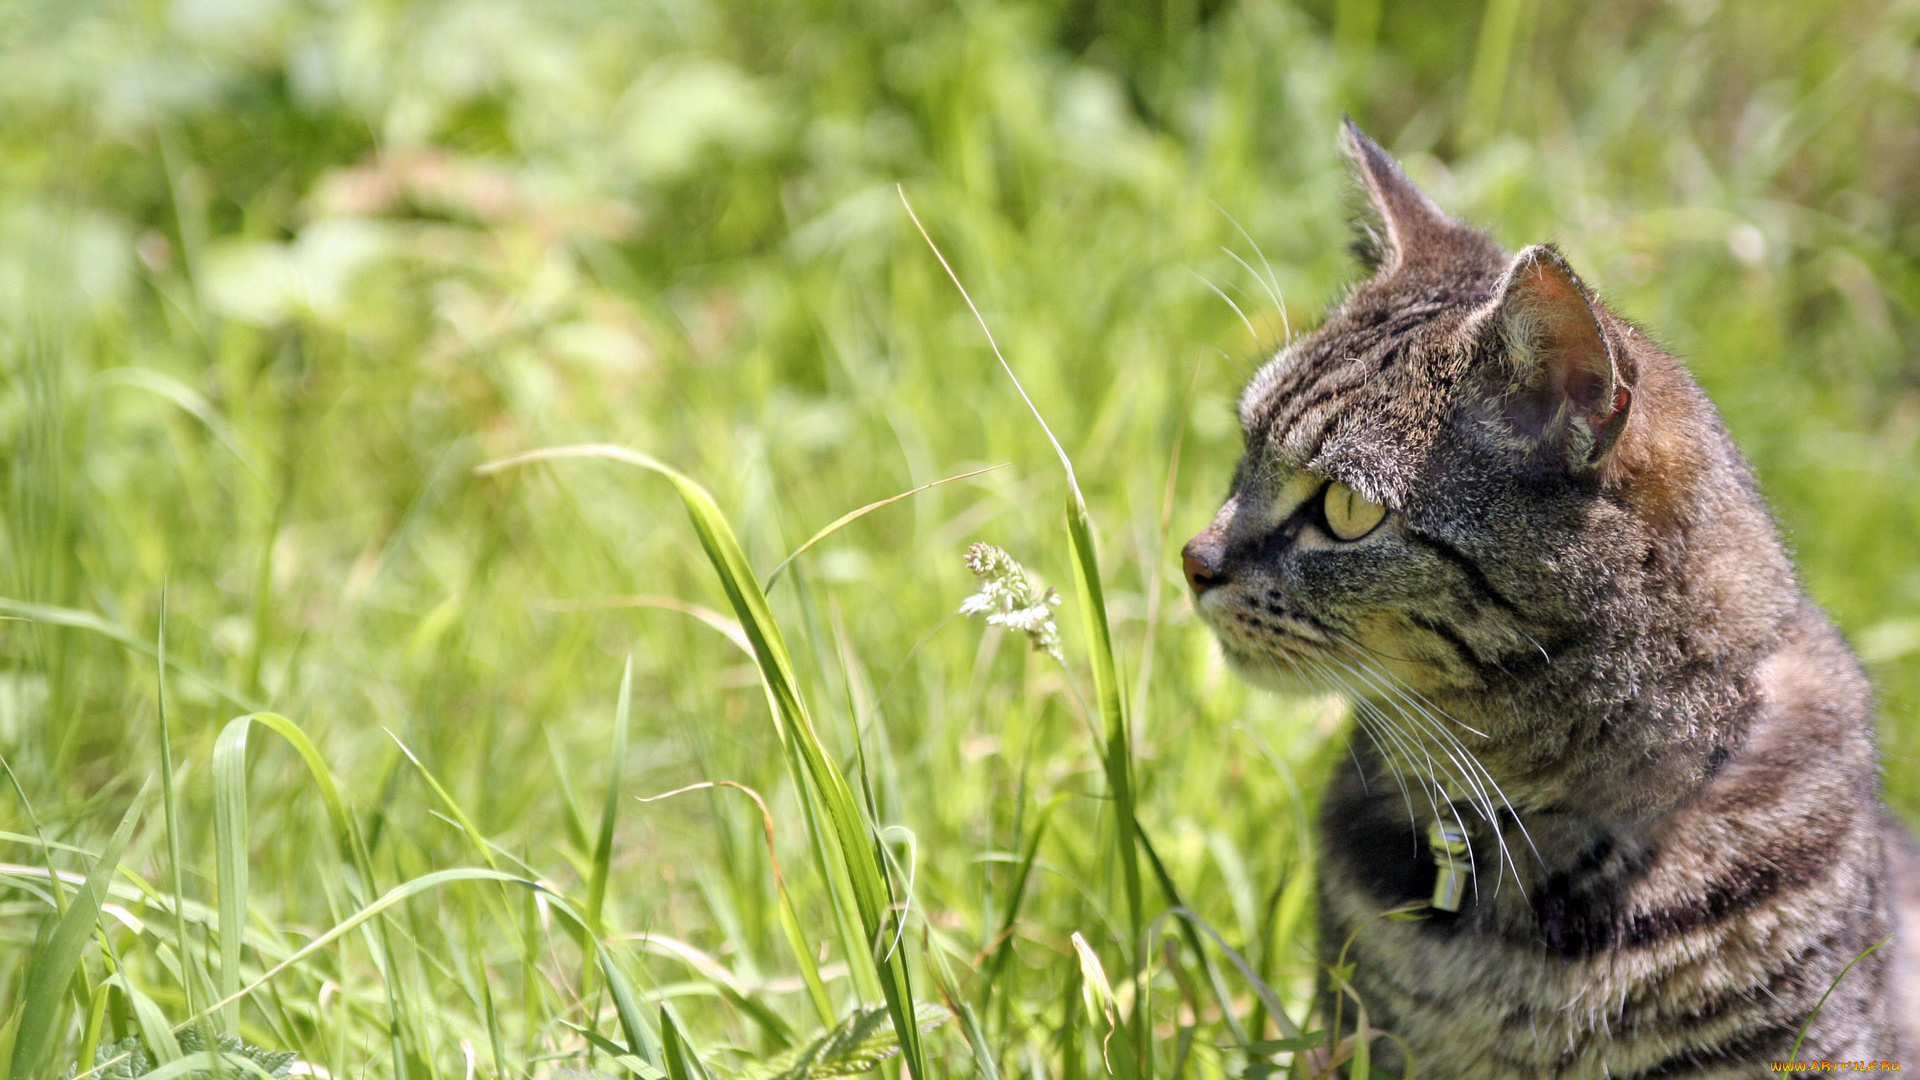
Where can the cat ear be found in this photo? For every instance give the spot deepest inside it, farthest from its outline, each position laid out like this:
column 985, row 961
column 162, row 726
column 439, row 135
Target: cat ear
column 1561, row 387
column 1414, row 224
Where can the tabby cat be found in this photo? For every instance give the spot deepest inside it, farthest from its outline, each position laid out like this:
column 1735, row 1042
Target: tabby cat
column 1623, row 762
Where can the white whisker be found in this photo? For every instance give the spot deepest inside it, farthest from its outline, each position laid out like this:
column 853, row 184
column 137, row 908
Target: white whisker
column 1434, row 721
column 1434, row 767
column 1361, row 721
column 1271, row 282
column 1285, row 330
column 1244, row 321
column 1393, row 744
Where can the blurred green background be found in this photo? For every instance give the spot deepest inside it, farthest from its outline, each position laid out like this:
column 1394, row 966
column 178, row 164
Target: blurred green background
column 275, row 276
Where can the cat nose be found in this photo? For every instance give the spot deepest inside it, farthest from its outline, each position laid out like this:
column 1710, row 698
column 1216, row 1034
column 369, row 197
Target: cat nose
column 1203, row 562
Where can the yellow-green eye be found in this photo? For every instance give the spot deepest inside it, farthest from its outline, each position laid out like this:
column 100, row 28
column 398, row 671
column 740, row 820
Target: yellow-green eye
column 1349, row 514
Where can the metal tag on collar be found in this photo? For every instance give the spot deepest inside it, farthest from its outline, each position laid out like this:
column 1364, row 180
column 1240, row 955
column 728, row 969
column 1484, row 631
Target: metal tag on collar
column 1448, row 842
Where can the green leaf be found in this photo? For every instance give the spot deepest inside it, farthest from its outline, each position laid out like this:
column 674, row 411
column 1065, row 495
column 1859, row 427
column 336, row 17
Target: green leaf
column 203, row 1064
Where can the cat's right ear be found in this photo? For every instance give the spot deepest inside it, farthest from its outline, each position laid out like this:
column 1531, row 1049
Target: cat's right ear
column 1555, row 378
column 1413, row 222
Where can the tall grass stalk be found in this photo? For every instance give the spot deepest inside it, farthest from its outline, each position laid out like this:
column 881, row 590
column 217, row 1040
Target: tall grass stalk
column 857, row 845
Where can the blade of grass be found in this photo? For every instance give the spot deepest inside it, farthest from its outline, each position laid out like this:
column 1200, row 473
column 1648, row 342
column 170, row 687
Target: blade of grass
column 39, row 838
column 1172, row 893
column 346, row 837
column 8, row 1040
column 1002, row 941
column 682, row 1062
column 53, row 966
column 152, row 1023
column 170, row 805
column 395, row 895
column 845, row 922
column 230, row 842
column 1362, row 1030
column 845, row 907
column 603, row 847
column 572, row 818
column 1117, row 761
column 977, row 1043
column 626, row 1005
column 789, row 917
column 837, row 885
column 609, row 814
column 855, row 515
column 726, row 626
column 618, row 1053
column 96, row 1019
column 859, row 709
column 722, row 981
column 446, row 799
column 1259, row 985
column 495, row 1043
column 350, row 843
column 87, row 620
column 1073, row 1026
column 189, row 400
column 856, row 840
column 1794, row 1053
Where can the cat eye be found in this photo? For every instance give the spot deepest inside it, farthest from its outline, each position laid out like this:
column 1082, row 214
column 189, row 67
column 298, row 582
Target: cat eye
column 1350, row 515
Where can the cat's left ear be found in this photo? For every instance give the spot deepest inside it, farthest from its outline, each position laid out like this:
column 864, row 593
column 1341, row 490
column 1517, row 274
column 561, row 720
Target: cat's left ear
column 1417, row 230
column 1563, row 387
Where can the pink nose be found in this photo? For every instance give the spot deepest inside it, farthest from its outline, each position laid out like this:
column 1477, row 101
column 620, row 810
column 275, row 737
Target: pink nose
column 1201, row 561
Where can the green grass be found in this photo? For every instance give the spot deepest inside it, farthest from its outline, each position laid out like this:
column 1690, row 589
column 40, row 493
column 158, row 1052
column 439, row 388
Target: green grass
column 277, row 280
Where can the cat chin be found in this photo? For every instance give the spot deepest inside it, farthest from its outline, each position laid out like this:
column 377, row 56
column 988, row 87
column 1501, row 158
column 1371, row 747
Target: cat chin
column 1269, row 672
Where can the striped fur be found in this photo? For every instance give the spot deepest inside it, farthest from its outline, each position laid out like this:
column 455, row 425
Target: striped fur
column 1577, row 634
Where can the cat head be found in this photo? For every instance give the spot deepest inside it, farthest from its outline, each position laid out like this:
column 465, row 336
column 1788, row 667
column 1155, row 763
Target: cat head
column 1468, row 472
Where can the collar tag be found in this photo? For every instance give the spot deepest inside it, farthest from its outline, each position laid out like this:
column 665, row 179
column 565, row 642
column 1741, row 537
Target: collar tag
column 1449, row 846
